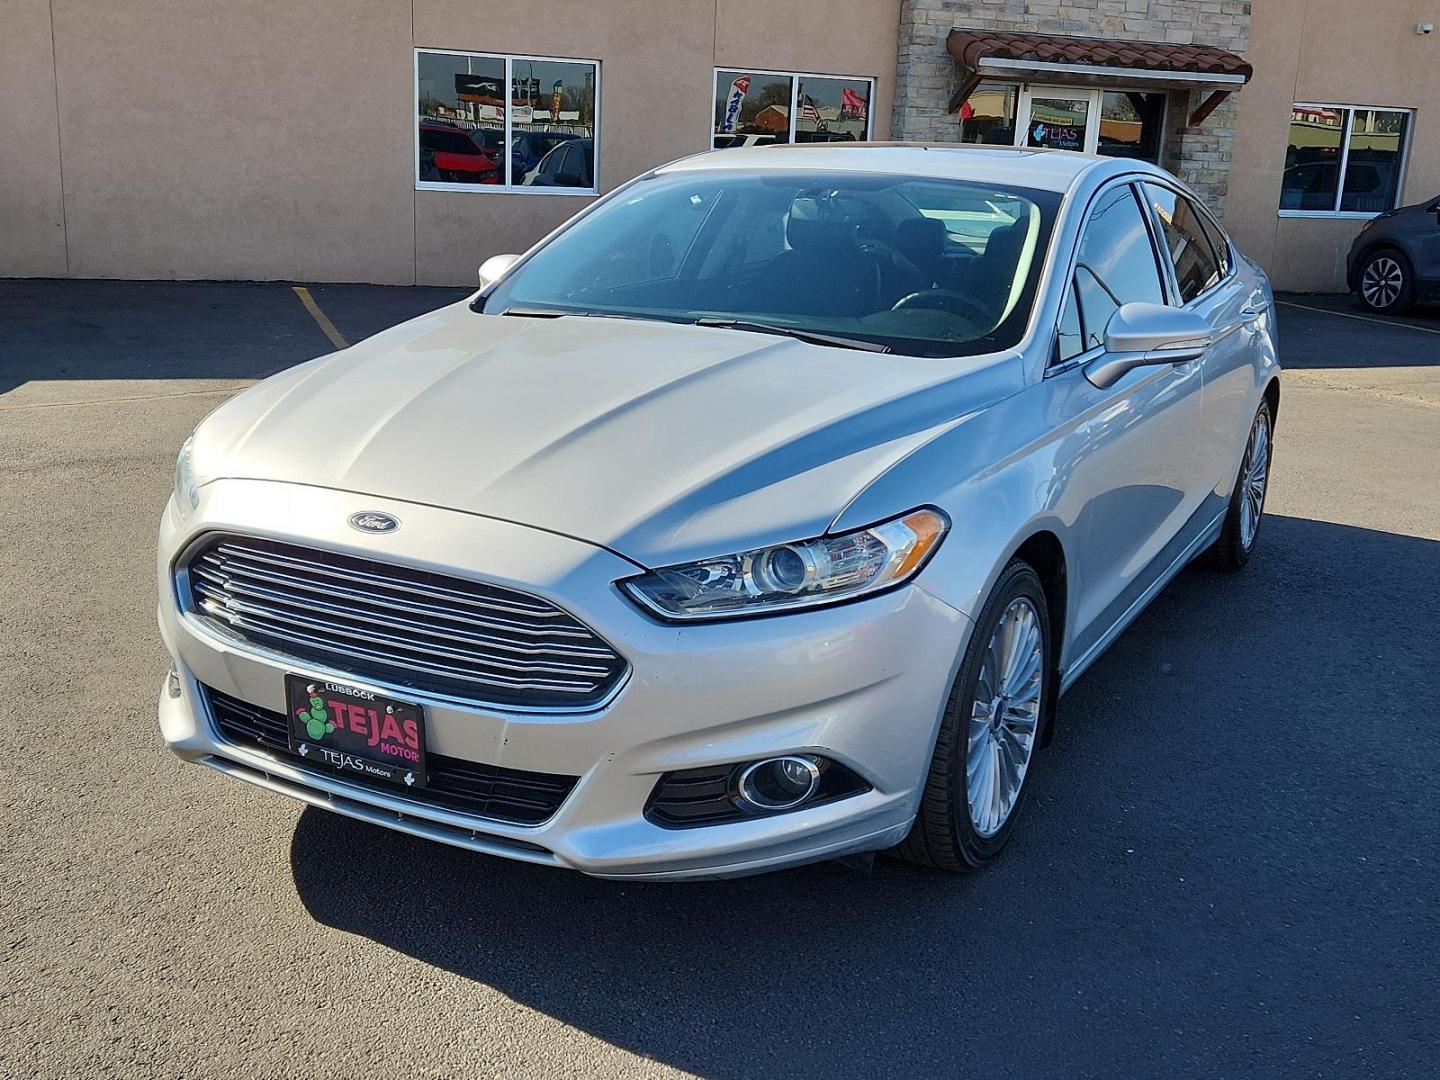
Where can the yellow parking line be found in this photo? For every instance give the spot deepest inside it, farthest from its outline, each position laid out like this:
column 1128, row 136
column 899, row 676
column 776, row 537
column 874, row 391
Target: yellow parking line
column 1362, row 318
column 323, row 320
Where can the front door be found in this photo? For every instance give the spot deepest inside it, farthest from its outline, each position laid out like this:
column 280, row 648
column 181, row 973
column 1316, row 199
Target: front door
column 1058, row 117
column 1116, row 123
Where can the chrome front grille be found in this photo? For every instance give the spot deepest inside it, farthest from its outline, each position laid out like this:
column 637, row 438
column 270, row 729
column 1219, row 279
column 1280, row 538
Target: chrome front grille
column 400, row 625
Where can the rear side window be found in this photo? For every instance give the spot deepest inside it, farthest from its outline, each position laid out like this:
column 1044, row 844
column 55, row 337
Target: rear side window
column 1196, row 268
column 1217, row 241
column 1115, row 266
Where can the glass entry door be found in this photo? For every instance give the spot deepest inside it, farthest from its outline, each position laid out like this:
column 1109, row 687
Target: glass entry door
column 1058, row 118
column 1115, row 123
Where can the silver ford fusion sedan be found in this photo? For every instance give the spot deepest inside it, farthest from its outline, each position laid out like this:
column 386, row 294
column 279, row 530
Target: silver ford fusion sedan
column 758, row 515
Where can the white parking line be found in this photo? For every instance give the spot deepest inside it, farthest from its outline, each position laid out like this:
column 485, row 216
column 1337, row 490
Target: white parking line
column 1362, row 318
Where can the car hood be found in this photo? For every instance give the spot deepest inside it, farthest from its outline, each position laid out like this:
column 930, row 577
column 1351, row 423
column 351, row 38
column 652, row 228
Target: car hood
column 659, row 441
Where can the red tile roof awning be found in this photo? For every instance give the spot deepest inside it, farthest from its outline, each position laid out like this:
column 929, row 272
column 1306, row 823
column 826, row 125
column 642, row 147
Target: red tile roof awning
column 994, row 53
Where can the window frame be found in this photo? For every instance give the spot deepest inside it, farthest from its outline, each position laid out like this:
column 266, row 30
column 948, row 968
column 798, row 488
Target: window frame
column 1163, row 272
column 794, row 77
column 1402, row 167
column 1225, row 260
column 513, row 188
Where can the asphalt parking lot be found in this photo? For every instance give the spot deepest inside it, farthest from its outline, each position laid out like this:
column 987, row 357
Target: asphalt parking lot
column 1228, row 868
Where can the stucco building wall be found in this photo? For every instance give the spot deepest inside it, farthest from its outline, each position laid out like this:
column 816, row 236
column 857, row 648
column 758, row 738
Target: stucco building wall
column 256, row 140
column 1335, row 52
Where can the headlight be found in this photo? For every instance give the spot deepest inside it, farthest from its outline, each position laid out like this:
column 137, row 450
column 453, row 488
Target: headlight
column 187, row 489
column 800, row 575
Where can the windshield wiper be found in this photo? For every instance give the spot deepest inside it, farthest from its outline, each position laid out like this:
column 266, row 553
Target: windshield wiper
column 536, row 312
column 810, row 336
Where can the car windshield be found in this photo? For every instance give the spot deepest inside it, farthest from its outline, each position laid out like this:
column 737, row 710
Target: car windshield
column 926, row 267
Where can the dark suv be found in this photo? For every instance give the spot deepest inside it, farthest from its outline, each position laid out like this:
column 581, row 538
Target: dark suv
column 1395, row 260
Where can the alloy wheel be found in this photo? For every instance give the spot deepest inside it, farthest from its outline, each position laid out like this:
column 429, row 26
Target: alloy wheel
column 1254, row 476
column 1382, row 282
column 1005, row 717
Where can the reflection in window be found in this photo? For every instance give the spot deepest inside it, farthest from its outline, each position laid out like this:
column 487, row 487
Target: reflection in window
column 1059, row 123
column 1130, row 125
column 463, row 111
column 1368, row 144
column 1116, row 263
column 988, row 114
column 832, row 110
column 1372, row 167
column 753, row 108
column 1196, row 268
column 886, row 259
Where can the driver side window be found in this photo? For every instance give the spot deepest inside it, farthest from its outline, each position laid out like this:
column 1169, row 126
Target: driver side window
column 1115, row 265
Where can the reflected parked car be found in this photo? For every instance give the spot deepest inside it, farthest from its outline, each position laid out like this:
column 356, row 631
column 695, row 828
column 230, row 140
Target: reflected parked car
column 528, row 147
column 571, row 164
column 712, row 535
column 1395, row 260
column 451, row 156
column 1310, row 185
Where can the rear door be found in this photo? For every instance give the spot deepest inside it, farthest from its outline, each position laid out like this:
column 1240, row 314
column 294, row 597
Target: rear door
column 1205, row 281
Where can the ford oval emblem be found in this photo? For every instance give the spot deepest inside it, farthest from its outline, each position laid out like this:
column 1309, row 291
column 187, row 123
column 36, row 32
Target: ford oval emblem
column 372, row 521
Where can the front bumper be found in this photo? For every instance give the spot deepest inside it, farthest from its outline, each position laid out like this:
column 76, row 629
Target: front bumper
column 860, row 683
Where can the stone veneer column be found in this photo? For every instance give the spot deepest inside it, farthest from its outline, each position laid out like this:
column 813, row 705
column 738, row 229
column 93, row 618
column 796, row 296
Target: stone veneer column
column 926, row 76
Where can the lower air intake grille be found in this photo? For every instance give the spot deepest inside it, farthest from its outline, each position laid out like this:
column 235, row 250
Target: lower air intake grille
column 466, row 787
column 401, row 626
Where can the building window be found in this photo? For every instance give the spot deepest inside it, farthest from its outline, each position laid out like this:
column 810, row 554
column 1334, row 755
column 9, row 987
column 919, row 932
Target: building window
column 1343, row 159
column 757, row 107
column 473, row 136
column 988, row 114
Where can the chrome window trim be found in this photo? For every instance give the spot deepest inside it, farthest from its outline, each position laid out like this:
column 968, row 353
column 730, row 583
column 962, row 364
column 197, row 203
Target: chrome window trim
column 185, row 602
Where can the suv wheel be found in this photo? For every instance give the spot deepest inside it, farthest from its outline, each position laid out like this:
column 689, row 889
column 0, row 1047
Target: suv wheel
column 1386, row 284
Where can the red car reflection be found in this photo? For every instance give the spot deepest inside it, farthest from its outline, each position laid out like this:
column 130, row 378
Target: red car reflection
column 449, row 154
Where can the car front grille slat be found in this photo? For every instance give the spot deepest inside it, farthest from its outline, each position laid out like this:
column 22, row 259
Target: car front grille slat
column 227, row 585
column 400, row 625
column 466, row 787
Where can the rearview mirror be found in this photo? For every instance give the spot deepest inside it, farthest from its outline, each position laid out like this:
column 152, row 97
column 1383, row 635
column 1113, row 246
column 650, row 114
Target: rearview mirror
column 493, row 268
column 1148, row 335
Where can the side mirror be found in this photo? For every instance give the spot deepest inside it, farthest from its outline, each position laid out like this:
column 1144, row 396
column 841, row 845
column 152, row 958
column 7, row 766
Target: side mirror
column 493, row 268
column 1148, row 335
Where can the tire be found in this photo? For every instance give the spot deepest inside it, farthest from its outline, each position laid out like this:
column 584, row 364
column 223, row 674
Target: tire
column 1386, row 284
column 945, row 833
column 1240, row 532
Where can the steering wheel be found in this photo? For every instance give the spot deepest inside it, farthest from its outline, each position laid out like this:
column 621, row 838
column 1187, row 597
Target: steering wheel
column 956, row 303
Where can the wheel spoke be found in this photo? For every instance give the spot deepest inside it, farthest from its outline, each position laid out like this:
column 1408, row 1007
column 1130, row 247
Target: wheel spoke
column 1004, row 716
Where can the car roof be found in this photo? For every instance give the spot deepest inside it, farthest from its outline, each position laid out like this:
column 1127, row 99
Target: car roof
column 1052, row 170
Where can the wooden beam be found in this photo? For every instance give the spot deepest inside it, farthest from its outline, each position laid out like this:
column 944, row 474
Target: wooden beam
column 967, row 87
column 1208, row 106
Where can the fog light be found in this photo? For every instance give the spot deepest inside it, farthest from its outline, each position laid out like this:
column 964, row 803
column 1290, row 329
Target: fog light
column 172, row 682
column 779, row 783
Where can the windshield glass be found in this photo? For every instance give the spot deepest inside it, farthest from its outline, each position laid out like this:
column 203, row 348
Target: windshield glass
column 922, row 266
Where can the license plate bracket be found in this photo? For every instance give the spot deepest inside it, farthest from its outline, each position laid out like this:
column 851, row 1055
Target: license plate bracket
column 356, row 732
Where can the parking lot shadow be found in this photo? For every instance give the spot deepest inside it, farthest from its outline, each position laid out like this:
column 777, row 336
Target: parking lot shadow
column 62, row 330
column 1226, row 823
column 1330, row 331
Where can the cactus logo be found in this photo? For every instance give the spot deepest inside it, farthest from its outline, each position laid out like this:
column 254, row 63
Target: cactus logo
column 316, row 718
